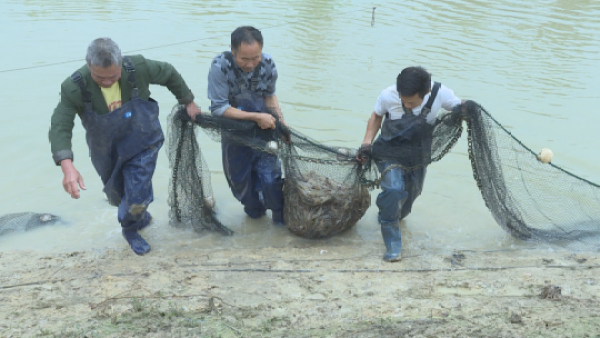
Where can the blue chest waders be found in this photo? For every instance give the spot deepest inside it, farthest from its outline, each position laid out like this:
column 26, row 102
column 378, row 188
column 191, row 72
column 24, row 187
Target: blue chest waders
column 124, row 147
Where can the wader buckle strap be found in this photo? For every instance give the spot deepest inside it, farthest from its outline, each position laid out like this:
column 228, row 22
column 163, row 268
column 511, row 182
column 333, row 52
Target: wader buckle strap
column 427, row 109
column 131, row 76
column 85, row 94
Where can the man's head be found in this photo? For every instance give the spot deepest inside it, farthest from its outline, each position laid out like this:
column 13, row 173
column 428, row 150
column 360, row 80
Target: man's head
column 246, row 47
column 104, row 61
column 413, row 83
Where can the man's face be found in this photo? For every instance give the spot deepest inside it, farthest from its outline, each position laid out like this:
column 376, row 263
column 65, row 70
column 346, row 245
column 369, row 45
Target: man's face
column 105, row 77
column 411, row 102
column 247, row 56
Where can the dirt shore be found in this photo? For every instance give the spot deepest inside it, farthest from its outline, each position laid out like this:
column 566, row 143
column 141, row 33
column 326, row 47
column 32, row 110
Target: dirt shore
column 344, row 291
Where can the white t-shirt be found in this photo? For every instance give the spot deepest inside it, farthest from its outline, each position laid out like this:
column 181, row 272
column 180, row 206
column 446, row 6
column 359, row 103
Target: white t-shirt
column 389, row 102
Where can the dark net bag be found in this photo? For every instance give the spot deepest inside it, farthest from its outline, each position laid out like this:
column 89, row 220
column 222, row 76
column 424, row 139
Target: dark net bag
column 322, row 191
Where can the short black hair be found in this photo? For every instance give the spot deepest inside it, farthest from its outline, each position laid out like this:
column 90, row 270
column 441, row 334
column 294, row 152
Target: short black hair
column 413, row 80
column 245, row 34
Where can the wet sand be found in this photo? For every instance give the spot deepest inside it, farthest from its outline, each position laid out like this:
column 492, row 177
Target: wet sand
column 309, row 291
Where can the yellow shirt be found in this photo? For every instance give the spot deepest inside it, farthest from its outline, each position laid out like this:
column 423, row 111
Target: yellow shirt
column 112, row 96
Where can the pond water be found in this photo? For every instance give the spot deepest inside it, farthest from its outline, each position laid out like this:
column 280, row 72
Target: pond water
column 533, row 65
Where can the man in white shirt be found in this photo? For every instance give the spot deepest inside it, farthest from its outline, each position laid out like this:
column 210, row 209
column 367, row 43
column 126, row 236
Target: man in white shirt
column 411, row 109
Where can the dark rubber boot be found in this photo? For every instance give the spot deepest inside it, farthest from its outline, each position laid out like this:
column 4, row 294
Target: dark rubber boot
column 136, row 242
column 145, row 221
column 255, row 212
column 393, row 242
column 277, row 217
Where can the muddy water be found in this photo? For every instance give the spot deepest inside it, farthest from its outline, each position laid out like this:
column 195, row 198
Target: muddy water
column 533, row 65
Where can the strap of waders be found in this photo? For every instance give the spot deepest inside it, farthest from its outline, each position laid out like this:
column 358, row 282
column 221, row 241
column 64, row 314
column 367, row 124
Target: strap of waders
column 131, row 76
column 85, row 94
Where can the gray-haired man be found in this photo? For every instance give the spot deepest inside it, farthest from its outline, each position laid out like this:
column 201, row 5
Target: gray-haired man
column 123, row 132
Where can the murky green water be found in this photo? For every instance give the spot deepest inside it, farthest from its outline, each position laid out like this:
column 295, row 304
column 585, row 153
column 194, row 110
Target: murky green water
column 532, row 65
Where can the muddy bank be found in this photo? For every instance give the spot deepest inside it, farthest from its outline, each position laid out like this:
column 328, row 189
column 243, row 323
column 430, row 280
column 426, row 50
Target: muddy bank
column 343, row 291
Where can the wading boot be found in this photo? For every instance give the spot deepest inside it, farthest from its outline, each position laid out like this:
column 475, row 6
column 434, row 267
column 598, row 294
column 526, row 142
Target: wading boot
column 145, row 221
column 255, row 213
column 393, row 242
column 277, row 217
column 136, row 242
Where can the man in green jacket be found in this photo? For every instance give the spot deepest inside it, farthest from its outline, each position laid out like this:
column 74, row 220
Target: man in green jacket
column 123, row 132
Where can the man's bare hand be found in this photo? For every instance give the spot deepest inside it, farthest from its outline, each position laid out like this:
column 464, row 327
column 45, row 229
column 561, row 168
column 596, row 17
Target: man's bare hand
column 265, row 121
column 72, row 180
column 192, row 110
column 364, row 153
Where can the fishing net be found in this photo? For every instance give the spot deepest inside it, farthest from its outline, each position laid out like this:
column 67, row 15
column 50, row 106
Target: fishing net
column 322, row 191
column 528, row 198
column 326, row 191
column 24, row 221
column 190, row 200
